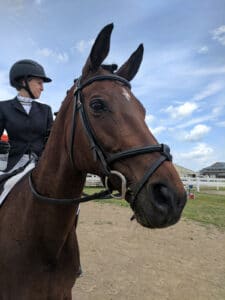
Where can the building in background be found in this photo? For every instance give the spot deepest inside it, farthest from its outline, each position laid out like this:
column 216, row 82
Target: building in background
column 215, row 170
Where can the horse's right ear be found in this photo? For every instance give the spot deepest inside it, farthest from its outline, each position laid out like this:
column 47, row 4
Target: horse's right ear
column 99, row 50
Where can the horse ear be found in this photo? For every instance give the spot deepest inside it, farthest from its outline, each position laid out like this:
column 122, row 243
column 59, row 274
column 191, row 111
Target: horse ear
column 129, row 69
column 99, row 50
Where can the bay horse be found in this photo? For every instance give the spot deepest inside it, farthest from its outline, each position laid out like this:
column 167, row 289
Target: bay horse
column 100, row 129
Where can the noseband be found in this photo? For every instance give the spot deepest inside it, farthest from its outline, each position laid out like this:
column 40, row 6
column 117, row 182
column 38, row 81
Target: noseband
column 106, row 159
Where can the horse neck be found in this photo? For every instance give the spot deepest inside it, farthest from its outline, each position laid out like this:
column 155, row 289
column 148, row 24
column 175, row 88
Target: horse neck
column 55, row 177
column 55, row 173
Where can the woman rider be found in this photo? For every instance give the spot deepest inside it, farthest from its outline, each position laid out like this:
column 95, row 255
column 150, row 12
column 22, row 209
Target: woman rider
column 27, row 121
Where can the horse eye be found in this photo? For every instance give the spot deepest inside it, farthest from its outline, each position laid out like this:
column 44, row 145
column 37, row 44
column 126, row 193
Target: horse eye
column 97, row 105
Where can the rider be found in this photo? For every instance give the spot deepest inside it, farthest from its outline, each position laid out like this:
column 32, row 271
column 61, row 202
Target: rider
column 26, row 121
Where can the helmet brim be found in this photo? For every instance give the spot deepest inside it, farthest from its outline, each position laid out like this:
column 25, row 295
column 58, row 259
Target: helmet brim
column 46, row 79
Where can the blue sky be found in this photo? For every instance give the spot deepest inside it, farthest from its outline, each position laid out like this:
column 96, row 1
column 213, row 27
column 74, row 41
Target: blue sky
column 181, row 81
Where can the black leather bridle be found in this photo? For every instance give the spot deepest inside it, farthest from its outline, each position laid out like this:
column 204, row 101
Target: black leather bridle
column 106, row 159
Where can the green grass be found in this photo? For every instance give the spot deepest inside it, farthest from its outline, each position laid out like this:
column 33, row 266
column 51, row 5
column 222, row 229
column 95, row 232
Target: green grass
column 205, row 208
column 211, row 188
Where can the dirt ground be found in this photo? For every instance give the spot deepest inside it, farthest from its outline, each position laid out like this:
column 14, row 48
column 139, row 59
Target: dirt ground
column 122, row 260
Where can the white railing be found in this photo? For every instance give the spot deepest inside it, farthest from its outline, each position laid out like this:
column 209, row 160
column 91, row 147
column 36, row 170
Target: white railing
column 197, row 182
column 93, row 180
column 203, row 181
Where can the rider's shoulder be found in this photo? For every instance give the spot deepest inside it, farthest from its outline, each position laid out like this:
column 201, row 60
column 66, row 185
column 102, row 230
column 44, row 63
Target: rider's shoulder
column 42, row 104
column 6, row 102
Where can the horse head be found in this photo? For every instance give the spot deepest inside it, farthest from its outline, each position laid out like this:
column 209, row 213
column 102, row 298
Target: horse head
column 109, row 137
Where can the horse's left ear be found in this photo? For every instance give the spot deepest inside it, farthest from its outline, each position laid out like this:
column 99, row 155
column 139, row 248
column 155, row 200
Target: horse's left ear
column 129, row 69
column 99, row 50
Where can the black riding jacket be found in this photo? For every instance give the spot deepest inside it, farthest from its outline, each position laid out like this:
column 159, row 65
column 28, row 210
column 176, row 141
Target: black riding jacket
column 27, row 132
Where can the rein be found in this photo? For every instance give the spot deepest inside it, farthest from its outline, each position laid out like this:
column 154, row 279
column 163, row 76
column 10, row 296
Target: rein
column 100, row 195
column 105, row 158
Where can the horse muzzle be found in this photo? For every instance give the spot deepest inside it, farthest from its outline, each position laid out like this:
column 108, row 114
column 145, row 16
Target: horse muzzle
column 157, row 205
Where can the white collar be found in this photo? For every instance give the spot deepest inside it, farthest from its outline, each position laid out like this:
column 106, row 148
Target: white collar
column 25, row 99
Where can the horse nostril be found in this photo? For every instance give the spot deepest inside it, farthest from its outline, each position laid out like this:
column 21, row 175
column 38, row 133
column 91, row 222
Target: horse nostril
column 160, row 192
column 162, row 195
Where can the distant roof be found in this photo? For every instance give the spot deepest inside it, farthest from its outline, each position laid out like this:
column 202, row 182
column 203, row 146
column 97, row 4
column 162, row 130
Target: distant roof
column 183, row 171
column 215, row 166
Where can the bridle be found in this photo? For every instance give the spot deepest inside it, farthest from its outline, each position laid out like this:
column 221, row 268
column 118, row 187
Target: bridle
column 106, row 159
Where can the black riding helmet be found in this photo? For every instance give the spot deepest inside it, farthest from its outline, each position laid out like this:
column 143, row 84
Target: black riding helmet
column 26, row 69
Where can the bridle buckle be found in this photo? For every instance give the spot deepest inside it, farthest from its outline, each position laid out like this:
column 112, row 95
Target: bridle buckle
column 123, row 184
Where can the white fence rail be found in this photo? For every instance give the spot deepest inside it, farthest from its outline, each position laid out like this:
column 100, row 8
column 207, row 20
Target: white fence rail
column 199, row 182
column 93, row 180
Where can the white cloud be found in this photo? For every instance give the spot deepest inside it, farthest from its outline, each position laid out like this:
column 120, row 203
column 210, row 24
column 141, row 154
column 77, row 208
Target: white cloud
column 218, row 110
column 197, row 133
column 198, row 157
column 58, row 56
column 219, row 34
column 200, row 151
column 206, row 71
column 158, row 130
column 18, row 5
column 221, row 124
column 149, row 118
column 212, row 116
column 195, row 121
column 14, row 7
column 181, row 111
column 210, row 90
column 82, row 45
column 6, row 92
column 38, row 2
column 203, row 50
